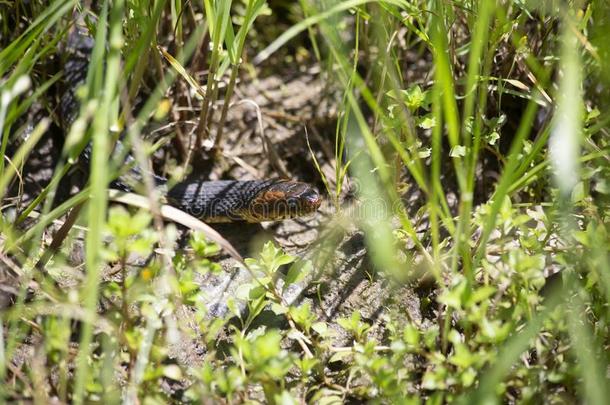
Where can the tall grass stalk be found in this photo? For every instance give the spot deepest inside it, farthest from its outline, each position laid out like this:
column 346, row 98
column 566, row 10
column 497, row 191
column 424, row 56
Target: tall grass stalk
column 45, row 21
column 235, row 48
column 393, row 202
column 473, row 141
column 218, row 16
column 564, row 148
column 96, row 208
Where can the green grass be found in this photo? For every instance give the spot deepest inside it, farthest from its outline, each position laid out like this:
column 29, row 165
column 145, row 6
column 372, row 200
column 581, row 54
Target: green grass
column 493, row 115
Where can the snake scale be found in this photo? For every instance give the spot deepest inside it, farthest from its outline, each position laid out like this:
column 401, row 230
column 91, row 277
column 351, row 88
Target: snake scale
column 210, row 201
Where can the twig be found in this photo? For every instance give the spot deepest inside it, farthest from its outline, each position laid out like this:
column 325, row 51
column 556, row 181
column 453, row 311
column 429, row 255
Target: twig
column 268, row 147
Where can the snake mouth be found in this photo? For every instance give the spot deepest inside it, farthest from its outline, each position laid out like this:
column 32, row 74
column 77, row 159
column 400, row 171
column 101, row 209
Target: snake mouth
column 311, row 200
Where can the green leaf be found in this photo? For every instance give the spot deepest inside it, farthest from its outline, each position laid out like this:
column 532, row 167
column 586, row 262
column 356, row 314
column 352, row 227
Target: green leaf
column 411, row 335
column 462, row 357
column 481, row 294
column 458, row 151
column 492, row 138
column 427, row 122
column 279, row 309
column 414, row 97
column 172, row 371
column 297, row 272
column 321, row 328
column 339, row 356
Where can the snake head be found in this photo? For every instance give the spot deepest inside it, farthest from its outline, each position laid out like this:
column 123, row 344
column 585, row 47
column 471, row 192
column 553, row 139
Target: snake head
column 283, row 199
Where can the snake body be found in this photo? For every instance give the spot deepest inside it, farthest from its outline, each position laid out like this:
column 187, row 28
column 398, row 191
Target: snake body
column 211, row 201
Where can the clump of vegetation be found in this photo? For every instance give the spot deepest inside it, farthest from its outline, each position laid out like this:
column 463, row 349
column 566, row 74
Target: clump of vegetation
column 468, row 156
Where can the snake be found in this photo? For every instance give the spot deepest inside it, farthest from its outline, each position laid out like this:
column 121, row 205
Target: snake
column 211, row 201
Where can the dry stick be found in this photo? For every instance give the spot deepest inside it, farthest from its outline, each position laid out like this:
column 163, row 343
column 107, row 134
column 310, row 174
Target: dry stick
column 189, row 153
column 183, row 151
column 225, row 106
column 59, row 237
column 201, row 53
column 20, row 376
column 202, row 128
column 210, row 112
column 178, row 139
column 157, row 62
column 16, row 272
column 242, row 163
column 268, row 147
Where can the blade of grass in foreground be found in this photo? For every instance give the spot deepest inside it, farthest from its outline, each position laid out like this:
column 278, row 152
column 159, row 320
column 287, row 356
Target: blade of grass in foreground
column 443, row 79
column 21, row 154
column 99, row 179
column 564, row 149
column 7, row 95
column 592, row 368
column 476, row 85
column 218, row 18
column 374, row 213
column 348, row 76
column 43, row 23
